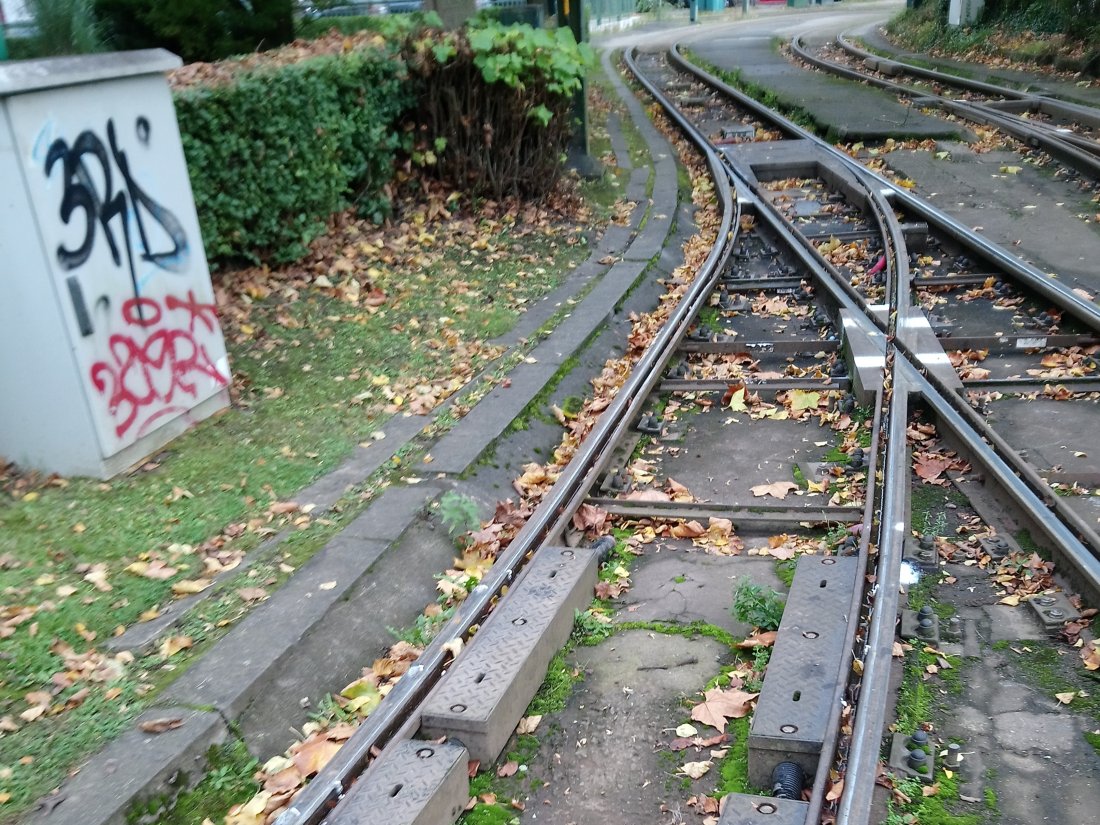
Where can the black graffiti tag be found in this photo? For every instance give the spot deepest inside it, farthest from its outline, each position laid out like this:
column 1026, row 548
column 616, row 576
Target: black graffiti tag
column 100, row 209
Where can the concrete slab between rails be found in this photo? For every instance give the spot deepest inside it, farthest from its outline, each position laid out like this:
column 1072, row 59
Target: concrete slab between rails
column 135, row 766
column 853, row 111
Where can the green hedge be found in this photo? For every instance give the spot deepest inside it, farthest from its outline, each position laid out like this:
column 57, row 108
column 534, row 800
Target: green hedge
column 279, row 150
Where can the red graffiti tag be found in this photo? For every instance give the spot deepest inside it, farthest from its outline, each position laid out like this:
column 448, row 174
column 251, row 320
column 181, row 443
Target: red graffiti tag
column 145, row 373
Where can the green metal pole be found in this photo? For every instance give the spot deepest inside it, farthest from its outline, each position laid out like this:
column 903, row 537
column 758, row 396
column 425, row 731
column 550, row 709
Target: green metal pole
column 574, row 15
column 3, row 44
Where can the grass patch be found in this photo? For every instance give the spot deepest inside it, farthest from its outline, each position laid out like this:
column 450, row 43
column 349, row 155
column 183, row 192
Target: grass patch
column 930, row 810
column 228, row 780
column 1054, row 669
column 929, row 508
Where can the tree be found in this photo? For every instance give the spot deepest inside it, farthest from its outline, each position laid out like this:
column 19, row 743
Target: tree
column 198, row 29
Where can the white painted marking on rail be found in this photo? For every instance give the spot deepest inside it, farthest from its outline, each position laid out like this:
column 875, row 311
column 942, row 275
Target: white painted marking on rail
column 934, row 358
column 899, row 526
column 869, row 361
column 1030, row 343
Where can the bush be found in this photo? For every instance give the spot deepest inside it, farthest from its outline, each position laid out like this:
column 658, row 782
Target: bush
column 198, row 29
column 273, row 154
column 494, row 109
column 61, row 27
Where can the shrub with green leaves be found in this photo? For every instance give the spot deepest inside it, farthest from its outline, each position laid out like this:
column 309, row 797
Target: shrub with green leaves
column 495, row 104
column 277, row 151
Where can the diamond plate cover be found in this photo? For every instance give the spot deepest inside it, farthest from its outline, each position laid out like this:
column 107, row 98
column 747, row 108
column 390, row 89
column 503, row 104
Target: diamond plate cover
column 743, row 809
column 413, row 783
column 793, row 709
column 483, row 696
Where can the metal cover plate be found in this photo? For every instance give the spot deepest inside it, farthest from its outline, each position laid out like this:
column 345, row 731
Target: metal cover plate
column 495, row 678
column 413, row 782
column 743, row 809
column 794, row 705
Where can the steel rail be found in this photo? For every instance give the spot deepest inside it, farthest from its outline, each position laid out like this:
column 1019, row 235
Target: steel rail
column 843, row 296
column 1068, row 109
column 1046, row 139
column 1085, row 311
column 1077, row 552
column 397, row 710
column 947, row 406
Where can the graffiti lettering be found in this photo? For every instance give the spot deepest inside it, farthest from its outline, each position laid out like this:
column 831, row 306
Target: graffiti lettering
column 144, row 379
column 101, row 208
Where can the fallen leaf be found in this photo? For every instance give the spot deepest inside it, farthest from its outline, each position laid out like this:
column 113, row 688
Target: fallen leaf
column 314, row 753
column 777, row 489
column 718, row 705
column 528, row 724
column 188, row 587
column 252, row 594
column 1065, row 698
column 508, row 769
column 695, row 769
column 161, row 725
column 174, row 644
column 685, row 730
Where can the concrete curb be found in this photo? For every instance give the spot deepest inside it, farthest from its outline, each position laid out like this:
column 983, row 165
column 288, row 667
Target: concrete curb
column 211, row 696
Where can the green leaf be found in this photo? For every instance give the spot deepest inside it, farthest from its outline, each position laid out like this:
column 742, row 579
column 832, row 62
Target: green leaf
column 541, row 114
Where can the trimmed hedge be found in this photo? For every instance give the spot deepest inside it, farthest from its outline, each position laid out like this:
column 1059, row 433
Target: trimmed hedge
column 276, row 152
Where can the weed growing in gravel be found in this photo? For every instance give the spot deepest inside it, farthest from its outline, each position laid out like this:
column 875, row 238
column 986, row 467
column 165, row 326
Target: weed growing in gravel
column 459, row 515
column 757, row 606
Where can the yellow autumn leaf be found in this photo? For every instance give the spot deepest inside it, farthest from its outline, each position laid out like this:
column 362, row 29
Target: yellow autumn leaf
column 174, row 644
column 804, row 400
column 737, row 401
column 190, row 586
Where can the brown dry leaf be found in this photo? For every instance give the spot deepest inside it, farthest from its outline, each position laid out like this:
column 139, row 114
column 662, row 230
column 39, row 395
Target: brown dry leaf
column 763, row 639
column 835, row 791
column 251, row 812
column 687, row 530
column 97, row 577
column 156, row 569
column 777, row 489
column 162, row 724
column 647, row 495
column 508, row 769
column 1090, row 655
column 188, row 587
column 590, row 517
column 252, row 594
column 314, row 753
column 174, row 644
column 695, row 769
column 722, row 704
column 528, row 724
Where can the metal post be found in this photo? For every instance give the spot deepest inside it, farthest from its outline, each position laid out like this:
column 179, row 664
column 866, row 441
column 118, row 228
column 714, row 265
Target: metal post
column 744, row 7
column 578, row 147
column 693, row 11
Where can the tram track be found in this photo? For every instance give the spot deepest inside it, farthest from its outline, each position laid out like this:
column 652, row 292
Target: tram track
column 1065, row 130
column 831, row 298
